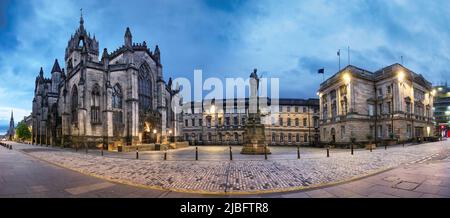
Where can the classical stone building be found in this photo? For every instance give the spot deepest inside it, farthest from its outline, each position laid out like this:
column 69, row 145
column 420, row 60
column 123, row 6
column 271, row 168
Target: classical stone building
column 393, row 102
column 119, row 99
column 287, row 122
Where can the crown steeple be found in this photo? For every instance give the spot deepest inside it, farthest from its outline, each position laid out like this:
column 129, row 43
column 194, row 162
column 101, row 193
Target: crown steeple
column 81, row 18
column 77, row 41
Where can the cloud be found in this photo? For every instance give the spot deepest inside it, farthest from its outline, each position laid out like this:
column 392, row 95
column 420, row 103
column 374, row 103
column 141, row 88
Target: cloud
column 228, row 38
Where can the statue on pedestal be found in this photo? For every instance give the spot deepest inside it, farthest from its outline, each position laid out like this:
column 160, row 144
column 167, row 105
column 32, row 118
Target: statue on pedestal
column 254, row 134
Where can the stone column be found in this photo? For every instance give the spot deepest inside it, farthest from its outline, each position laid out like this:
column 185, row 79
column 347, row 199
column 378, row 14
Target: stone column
column 107, row 116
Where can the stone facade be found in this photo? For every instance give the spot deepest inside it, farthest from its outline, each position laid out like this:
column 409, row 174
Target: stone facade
column 117, row 100
column 391, row 103
column 222, row 122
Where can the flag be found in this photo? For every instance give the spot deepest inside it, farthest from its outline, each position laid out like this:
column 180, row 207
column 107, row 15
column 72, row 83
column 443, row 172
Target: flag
column 322, row 71
column 339, row 52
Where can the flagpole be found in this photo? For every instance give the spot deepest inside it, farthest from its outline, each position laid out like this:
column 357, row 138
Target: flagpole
column 339, row 54
column 348, row 52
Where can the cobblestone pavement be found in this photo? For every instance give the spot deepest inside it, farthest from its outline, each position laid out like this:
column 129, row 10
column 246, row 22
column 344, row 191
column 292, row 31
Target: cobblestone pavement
column 24, row 176
column 240, row 176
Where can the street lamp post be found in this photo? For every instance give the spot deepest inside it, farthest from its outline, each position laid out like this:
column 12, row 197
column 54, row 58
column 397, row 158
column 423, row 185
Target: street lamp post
column 155, row 134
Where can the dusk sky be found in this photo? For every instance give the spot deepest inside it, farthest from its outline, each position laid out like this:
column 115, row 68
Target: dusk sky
column 228, row 38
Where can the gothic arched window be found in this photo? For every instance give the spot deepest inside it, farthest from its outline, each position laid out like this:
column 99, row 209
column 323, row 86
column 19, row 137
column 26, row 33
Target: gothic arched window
column 95, row 104
column 74, row 104
column 144, row 88
column 117, row 97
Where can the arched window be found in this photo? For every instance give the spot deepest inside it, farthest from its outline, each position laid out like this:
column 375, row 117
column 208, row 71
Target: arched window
column 117, row 113
column 117, row 97
column 144, row 88
column 81, row 42
column 74, row 104
column 236, row 137
column 95, row 104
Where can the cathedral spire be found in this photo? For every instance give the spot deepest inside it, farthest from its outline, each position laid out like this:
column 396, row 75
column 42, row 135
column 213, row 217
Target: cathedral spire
column 128, row 38
column 12, row 116
column 56, row 67
column 157, row 54
column 41, row 73
column 105, row 53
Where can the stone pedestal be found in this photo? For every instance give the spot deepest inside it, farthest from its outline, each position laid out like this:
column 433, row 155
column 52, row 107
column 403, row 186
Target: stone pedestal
column 255, row 139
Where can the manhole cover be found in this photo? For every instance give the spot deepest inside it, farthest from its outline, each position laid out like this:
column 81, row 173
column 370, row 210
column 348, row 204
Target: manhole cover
column 406, row 185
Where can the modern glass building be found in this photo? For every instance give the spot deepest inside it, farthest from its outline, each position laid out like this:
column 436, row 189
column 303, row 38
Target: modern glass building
column 442, row 109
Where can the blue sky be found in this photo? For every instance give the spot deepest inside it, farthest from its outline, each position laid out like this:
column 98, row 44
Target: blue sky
column 228, row 38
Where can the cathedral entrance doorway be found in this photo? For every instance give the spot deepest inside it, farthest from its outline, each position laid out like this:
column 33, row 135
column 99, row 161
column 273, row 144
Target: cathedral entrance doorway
column 150, row 127
column 333, row 136
column 150, row 133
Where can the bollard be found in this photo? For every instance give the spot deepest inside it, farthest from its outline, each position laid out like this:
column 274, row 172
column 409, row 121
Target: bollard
column 231, row 154
column 196, row 153
column 165, row 154
column 403, row 143
column 370, row 147
column 298, row 152
column 76, row 148
column 102, row 150
column 352, row 148
column 328, row 152
column 137, row 152
column 86, row 147
column 265, row 152
column 10, row 147
column 385, row 146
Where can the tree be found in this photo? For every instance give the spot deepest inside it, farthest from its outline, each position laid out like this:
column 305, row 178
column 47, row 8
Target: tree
column 22, row 131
